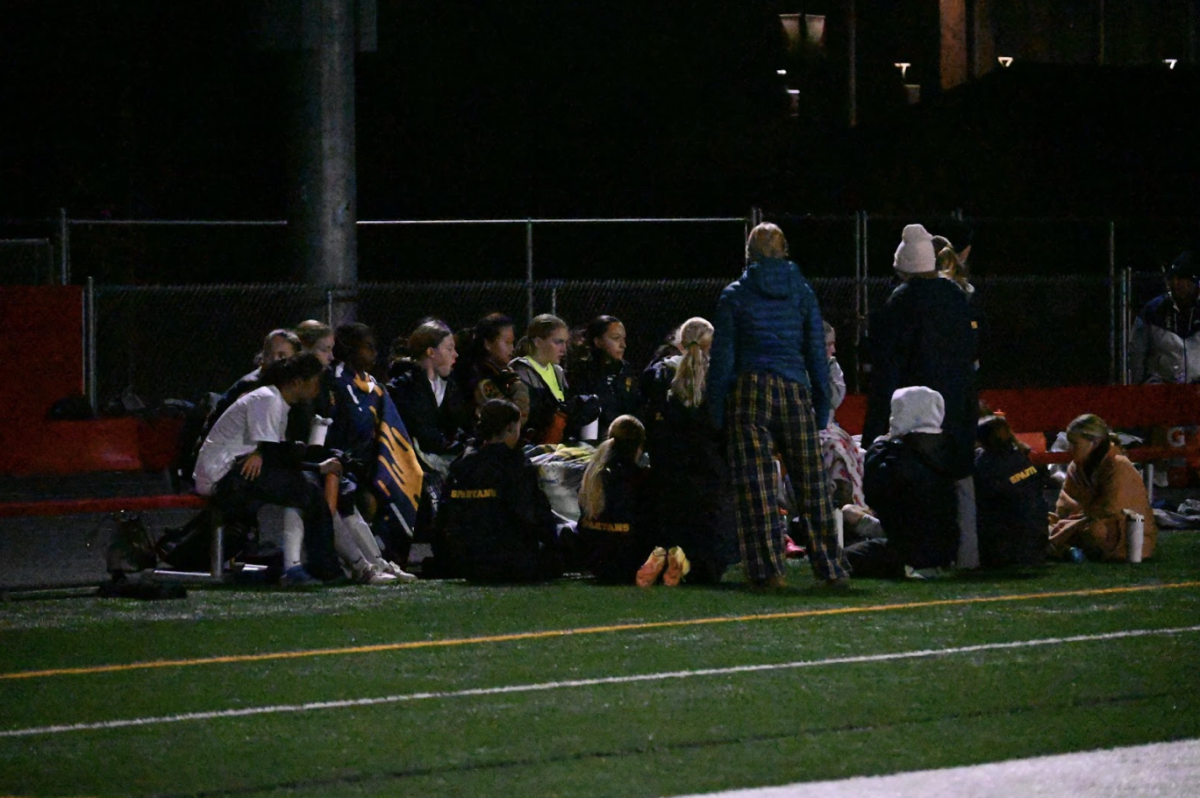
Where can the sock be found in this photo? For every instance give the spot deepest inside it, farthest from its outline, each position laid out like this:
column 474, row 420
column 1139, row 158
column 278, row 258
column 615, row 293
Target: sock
column 293, row 537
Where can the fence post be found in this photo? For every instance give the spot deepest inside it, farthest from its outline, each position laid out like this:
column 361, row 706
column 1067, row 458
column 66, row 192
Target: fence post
column 553, row 299
column 1112, row 303
column 89, row 342
column 64, row 247
column 329, row 306
column 1126, row 290
column 858, row 291
column 528, row 271
column 866, row 272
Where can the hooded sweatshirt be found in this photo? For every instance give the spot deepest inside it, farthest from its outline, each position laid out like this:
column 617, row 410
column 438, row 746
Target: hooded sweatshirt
column 769, row 321
column 908, row 481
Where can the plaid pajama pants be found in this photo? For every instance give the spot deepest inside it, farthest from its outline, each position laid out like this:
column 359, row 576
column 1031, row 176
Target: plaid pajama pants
column 767, row 412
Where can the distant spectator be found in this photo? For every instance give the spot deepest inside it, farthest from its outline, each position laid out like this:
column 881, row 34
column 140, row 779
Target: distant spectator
column 1165, row 342
column 1101, row 485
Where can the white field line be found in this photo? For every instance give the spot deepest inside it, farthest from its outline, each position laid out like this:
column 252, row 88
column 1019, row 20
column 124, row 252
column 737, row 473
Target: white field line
column 1157, row 770
column 546, row 686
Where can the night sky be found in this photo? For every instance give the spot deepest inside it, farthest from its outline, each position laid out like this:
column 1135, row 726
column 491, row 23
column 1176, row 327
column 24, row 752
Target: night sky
column 518, row 108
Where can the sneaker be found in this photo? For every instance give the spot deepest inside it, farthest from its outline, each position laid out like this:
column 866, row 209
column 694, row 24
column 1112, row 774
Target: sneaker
column 922, row 573
column 370, row 575
column 647, row 575
column 837, row 583
column 402, row 576
column 296, row 576
column 791, row 550
column 769, row 584
column 677, row 567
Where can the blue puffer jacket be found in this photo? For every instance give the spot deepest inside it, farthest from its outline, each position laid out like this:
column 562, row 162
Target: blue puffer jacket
column 769, row 321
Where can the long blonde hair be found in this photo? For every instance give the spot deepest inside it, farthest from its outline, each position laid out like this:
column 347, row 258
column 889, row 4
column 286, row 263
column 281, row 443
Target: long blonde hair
column 950, row 265
column 695, row 338
column 625, row 438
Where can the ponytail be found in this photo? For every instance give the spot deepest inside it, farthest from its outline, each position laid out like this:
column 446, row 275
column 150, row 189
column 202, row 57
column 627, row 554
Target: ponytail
column 591, row 489
column 695, row 338
column 625, row 437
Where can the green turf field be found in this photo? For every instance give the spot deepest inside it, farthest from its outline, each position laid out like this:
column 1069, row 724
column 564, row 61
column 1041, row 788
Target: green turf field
column 575, row 689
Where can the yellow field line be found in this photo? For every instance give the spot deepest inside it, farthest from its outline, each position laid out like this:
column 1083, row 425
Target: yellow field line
column 587, row 630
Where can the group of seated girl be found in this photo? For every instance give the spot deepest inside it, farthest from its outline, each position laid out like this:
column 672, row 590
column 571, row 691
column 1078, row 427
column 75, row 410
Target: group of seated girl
column 297, row 447
column 908, row 526
column 471, row 418
column 636, row 521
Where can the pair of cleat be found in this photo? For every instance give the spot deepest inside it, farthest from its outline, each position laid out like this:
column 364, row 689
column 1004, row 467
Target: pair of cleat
column 672, row 565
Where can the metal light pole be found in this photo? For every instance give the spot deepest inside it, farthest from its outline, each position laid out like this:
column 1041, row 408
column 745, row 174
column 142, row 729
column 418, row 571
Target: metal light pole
column 325, row 209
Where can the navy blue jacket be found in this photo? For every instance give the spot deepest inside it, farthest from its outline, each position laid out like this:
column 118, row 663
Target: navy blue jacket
column 770, row 321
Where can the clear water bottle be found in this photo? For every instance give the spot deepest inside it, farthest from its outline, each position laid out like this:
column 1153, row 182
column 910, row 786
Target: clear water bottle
column 1075, row 554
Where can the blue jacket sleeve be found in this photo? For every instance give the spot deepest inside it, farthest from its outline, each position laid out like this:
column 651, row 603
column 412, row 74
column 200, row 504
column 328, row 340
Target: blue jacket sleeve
column 722, row 356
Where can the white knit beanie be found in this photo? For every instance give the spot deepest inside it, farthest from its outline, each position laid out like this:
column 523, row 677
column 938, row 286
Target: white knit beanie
column 915, row 253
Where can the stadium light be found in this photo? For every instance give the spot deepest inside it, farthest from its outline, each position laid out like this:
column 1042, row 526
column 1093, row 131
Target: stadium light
column 1170, row 62
column 1005, row 61
column 903, row 67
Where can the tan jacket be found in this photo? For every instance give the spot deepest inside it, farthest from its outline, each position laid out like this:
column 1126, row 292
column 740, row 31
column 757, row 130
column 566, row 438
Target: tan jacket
column 1097, row 506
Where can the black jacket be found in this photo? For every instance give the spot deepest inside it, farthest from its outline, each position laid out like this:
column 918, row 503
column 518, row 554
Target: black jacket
column 495, row 522
column 691, row 500
column 616, row 543
column 926, row 335
column 613, row 382
column 1010, row 509
column 909, row 484
column 437, row 429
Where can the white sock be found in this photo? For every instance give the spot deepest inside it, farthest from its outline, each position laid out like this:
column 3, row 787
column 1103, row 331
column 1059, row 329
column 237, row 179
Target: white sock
column 363, row 537
column 293, row 537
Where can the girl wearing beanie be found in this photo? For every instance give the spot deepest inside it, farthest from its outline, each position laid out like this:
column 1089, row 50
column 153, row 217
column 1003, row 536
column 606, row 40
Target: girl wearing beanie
column 925, row 335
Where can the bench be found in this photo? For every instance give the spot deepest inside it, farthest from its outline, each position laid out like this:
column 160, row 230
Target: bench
column 1034, row 412
column 115, row 504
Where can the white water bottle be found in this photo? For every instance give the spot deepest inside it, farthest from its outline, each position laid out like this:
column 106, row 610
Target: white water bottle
column 320, row 428
column 1135, row 535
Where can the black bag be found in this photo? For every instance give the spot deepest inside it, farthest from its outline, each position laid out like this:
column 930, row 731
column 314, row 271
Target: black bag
column 189, row 547
column 132, row 547
column 71, row 408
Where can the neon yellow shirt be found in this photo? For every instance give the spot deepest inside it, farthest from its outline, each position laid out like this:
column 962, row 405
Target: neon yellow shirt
column 550, row 376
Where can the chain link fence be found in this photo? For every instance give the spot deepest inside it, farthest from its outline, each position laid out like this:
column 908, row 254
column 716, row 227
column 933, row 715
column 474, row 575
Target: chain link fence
column 26, row 261
column 178, row 342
